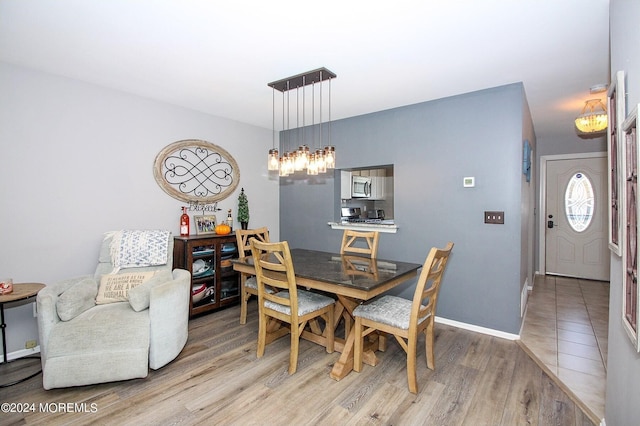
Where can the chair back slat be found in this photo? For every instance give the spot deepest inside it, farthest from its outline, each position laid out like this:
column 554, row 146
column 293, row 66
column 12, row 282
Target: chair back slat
column 274, row 268
column 244, row 236
column 360, row 242
column 425, row 297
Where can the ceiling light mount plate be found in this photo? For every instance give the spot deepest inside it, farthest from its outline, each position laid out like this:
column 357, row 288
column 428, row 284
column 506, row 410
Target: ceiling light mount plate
column 304, row 79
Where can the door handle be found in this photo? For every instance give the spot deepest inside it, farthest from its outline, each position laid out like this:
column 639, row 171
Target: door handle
column 550, row 224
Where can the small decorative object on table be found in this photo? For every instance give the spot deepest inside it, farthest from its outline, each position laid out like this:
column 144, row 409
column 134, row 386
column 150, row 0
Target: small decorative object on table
column 243, row 210
column 223, row 229
column 184, row 223
column 6, row 286
column 229, row 221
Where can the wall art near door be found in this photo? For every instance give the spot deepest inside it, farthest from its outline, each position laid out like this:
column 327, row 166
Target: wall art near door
column 616, row 110
column 526, row 160
column 196, row 171
column 630, row 219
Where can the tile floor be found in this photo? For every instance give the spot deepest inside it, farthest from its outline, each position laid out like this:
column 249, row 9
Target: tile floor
column 565, row 327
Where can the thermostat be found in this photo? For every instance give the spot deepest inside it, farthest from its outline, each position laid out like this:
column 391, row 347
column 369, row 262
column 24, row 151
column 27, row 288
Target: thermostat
column 469, row 182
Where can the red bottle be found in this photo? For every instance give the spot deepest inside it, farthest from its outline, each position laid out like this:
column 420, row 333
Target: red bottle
column 184, row 223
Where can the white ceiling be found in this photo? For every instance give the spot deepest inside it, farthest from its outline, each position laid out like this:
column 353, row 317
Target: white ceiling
column 218, row 56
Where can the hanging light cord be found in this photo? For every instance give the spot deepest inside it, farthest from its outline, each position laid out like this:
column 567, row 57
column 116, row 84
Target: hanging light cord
column 320, row 108
column 329, row 137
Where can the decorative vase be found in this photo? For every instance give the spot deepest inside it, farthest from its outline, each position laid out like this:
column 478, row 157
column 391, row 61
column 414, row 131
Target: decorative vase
column 244, row 225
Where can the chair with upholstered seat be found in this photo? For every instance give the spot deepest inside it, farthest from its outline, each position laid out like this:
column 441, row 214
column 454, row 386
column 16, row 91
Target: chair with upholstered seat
column 357, row 242
column 248, row 284
column 406, row 319
column 360, row 242
column 274, row 268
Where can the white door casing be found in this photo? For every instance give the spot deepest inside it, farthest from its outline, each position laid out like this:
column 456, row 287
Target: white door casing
column 567, row 251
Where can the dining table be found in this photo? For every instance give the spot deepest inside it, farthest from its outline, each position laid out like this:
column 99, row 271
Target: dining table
column 353, row 279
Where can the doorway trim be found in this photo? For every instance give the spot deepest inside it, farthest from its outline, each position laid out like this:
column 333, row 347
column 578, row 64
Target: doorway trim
column 542, row 202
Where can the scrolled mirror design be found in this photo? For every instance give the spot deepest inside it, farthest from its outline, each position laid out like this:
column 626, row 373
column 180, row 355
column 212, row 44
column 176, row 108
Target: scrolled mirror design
column 196, row 171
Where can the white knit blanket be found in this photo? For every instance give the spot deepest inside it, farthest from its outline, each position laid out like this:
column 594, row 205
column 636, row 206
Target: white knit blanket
column 131, row 249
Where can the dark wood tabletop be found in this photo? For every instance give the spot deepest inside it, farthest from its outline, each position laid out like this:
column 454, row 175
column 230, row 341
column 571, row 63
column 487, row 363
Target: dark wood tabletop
column 350, row 275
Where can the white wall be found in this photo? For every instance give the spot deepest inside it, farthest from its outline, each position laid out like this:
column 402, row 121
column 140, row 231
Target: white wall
column 622, row 406
column 77, row 160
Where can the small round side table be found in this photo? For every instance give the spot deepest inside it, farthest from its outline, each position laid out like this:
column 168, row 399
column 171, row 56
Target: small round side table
column 21, row 291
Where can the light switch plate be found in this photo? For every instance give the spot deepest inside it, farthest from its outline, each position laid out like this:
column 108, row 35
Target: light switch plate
column 494, row 217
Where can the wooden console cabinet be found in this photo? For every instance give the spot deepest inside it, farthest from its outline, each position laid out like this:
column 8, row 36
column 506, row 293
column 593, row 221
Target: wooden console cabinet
column 207, row 252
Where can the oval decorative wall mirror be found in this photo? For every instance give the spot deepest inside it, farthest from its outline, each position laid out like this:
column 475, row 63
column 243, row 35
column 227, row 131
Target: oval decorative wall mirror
column 196, row 171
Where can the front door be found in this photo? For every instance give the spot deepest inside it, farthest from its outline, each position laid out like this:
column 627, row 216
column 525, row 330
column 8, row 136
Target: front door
column 576, row 218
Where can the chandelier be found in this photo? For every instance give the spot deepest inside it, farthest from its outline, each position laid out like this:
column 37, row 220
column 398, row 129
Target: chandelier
column 320, row 156
column 593, row 117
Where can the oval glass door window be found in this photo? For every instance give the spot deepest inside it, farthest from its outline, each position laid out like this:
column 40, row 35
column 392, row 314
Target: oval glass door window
column 579, row 202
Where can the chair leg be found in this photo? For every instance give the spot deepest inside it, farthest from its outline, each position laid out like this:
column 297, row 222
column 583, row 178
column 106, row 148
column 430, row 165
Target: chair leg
column 262, row 334
column 243, row 306
column 295, row 344
column 358, row 346
column 428, row 343
column 411, row 364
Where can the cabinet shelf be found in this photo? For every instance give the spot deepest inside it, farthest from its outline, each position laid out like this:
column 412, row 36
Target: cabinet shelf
column 223, row 285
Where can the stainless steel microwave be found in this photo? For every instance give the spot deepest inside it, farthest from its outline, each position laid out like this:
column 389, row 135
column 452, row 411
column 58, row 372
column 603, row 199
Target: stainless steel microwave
column 360, row 187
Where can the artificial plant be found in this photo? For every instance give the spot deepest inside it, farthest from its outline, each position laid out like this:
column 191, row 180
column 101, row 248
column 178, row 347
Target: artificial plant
column 243, row 207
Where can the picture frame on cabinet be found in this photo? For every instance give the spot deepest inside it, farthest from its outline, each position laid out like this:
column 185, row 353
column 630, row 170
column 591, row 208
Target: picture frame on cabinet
column 205, row 224
column 630, row 208
column 616, row 112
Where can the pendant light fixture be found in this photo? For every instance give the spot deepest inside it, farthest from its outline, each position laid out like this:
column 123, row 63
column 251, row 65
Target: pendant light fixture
column 330, row 150
column 274, row 160
column 312, row 160
column 593, row 117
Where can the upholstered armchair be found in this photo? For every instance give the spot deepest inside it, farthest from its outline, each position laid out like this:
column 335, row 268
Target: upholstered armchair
column 131, row 314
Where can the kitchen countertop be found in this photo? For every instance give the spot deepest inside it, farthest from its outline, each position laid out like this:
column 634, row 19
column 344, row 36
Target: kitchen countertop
column 380, row 227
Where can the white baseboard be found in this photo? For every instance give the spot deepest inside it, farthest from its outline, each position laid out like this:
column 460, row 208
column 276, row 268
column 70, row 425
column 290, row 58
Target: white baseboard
column 524, row 296
column 478, row 329
column 22, row 353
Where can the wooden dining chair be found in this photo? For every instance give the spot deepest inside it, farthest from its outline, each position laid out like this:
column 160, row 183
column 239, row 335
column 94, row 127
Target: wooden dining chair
column 360, row 242
column 406, row 319
column 274, row 268
column 248, row 284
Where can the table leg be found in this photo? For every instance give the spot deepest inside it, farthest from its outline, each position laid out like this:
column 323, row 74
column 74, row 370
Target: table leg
column 4, row 337
column 3, row 326
column 344, row 365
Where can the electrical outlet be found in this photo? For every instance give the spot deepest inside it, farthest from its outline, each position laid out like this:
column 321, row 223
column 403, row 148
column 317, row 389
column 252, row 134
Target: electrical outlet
column 30, row 344
column 494, row 217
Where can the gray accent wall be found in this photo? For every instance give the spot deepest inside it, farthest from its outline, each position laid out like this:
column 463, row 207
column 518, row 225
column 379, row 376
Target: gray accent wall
column 433, row 146
column 622, row 405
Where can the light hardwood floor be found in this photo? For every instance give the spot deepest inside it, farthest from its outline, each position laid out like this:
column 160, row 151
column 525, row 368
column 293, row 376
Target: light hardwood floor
column 217, row 380
column 565, row 330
